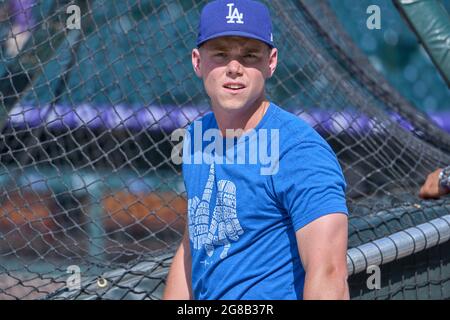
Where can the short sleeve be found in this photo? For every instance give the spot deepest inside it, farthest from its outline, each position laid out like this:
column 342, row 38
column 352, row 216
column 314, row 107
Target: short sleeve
column 310, row 183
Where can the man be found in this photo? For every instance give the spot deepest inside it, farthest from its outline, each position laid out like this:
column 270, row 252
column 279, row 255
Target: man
column 436, row 185
column 256, row 230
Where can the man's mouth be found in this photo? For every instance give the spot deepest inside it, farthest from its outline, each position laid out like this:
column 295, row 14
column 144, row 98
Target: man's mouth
column 234, row 86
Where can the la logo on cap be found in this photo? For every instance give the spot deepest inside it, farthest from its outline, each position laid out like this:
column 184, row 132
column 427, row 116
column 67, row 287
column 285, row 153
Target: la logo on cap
column 234, row 16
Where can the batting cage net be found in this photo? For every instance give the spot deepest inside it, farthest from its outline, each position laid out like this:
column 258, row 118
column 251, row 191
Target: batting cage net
column 88, row 188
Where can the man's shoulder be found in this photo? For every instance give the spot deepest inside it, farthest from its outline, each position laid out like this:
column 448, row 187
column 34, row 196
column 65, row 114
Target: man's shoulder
column 206, row 121
column 294, row 129
column 207, row 117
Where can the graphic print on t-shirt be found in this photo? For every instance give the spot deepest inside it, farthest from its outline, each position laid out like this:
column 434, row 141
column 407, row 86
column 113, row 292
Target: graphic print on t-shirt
column 224, row 226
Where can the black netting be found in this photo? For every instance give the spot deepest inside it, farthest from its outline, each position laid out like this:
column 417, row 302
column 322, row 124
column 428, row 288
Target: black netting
column 86, row 116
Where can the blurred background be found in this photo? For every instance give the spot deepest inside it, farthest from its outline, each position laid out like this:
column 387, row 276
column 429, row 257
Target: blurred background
column 395, row 52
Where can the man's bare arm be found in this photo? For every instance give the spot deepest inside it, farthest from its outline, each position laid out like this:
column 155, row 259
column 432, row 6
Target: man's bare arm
column 322, row 246
column 431, row 188
column 178, row 285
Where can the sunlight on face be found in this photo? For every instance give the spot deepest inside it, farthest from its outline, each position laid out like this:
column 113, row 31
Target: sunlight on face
column 234, row 71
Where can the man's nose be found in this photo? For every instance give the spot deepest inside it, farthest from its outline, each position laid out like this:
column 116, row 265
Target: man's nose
column 234, row 68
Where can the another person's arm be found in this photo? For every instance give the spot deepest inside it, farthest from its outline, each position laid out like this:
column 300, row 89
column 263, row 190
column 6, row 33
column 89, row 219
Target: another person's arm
column 322, row 246
column 436, row 185
column 178, row 285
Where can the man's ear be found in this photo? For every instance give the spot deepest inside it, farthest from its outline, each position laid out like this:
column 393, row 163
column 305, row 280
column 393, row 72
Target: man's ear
column 196, row 62
column 273, row 61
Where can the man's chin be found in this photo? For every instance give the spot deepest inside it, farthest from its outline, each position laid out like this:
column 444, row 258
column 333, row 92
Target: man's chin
column 232, row 106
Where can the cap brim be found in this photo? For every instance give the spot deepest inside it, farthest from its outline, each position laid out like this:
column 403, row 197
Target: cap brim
column 236, row 34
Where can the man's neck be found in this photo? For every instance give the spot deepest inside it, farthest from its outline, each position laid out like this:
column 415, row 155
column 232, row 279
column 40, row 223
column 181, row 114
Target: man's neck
column 243, row 120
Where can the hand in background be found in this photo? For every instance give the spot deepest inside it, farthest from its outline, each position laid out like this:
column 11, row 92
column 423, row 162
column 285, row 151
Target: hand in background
column 431, row 188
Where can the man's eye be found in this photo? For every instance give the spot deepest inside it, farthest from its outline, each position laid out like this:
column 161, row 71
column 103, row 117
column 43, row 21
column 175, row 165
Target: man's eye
column 220, row 54
column 252, row 56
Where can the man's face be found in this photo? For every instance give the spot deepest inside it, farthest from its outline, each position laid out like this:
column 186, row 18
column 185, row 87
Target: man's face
column 234, row 71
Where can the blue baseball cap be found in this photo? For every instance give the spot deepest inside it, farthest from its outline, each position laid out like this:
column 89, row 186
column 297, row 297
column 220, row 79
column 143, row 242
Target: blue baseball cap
column 243, row 18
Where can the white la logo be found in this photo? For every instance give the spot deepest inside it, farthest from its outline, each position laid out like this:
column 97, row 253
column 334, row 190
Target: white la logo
column 234, row 15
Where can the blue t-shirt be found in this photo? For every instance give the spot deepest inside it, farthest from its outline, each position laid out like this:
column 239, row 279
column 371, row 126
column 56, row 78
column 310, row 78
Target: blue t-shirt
column 244, row 210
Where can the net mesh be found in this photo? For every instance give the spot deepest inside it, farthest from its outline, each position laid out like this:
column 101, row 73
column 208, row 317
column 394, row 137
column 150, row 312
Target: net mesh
column 86, row 116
